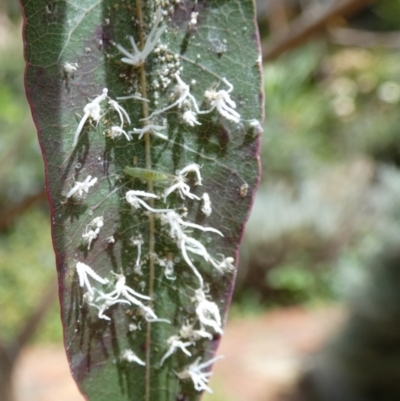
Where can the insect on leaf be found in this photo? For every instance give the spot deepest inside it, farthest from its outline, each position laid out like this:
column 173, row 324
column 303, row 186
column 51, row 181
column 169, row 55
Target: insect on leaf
column 148, row 114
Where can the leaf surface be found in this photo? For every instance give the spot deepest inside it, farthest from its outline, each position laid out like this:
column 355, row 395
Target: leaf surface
column 71, row 53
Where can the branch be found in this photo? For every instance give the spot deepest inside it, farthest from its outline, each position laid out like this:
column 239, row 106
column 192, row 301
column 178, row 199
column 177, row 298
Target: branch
column 309, row 23
column 277, row 17
column 9, row 352
column 50, row 294
column 6, row 368
column 8, row 215
column 360, row 38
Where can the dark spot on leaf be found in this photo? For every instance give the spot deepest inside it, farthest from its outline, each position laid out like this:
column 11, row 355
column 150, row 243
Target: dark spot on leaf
column 223, row 137
column 185, row 43
column 106, row 36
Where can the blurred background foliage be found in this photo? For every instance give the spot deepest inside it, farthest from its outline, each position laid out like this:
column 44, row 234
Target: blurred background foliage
column 329, row 191
column 27, row 262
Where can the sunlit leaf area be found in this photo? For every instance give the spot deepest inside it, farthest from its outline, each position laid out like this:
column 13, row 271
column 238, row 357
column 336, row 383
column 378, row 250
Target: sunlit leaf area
column 327, row 202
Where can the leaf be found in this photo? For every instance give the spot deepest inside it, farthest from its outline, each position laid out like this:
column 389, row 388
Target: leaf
column 71, row 53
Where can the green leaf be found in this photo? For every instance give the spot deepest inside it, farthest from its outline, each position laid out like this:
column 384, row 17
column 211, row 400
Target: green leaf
column 71, row 54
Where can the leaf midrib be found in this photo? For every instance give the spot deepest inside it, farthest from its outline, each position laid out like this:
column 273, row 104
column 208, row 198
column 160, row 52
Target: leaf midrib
column 145, row 109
